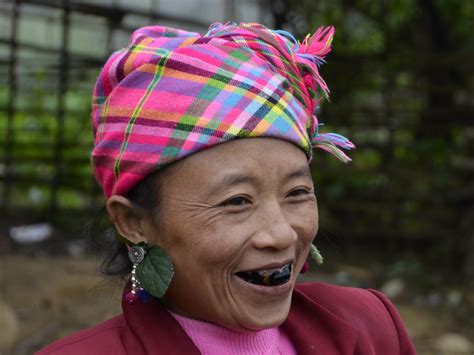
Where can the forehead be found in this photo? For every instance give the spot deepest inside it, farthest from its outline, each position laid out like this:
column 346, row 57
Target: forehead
column 257, row 159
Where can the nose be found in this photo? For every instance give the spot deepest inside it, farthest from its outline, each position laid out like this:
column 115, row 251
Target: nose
column 275, row 231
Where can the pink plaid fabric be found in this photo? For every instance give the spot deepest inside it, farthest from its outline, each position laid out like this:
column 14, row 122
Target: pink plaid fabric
column 172, row 93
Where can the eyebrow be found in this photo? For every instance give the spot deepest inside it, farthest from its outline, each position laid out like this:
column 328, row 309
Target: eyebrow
column 239, row 179
column 232, row 180
column 301, row 172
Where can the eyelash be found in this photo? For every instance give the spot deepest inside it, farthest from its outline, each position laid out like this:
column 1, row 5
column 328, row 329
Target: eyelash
column 229, row 202
column 304, row 192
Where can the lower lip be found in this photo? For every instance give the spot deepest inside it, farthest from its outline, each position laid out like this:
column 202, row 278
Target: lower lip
column 279, row 290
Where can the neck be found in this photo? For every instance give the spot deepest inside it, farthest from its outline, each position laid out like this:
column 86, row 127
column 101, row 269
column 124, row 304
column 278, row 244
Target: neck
column 214, row 339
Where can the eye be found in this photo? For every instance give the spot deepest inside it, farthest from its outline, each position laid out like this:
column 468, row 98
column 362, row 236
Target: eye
column 299, row 192
column 237, row 201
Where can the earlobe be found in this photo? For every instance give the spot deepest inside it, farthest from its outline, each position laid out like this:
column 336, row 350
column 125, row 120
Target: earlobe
column 126, row 220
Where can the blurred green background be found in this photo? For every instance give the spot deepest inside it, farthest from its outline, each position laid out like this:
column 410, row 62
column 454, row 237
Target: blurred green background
column 400, row 217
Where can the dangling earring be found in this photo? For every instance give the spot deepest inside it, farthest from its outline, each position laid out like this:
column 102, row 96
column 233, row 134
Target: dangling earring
column 151, row 273
column 316, row 255
column 136, row 254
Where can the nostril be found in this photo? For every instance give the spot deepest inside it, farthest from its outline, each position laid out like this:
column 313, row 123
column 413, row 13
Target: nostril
column 278, row 237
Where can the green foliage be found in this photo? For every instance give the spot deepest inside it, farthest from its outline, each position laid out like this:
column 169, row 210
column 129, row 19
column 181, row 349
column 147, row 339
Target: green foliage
column 42, row 158
column 397, row 72
column 407, row 267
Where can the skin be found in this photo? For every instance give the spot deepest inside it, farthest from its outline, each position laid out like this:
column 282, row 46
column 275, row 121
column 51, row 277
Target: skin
column 213, row 226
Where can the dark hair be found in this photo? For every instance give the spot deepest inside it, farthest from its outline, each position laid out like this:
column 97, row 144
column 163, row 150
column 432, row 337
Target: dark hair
column 146, row 197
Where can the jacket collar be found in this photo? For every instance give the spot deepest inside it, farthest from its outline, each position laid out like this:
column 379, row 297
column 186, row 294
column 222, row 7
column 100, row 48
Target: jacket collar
column 156, row 328
column 312, row 328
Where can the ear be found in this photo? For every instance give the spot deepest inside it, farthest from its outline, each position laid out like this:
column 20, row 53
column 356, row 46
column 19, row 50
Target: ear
column 128, row 222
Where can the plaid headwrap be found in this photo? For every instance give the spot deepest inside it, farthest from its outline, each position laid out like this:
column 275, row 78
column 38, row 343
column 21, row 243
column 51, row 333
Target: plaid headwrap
column 172, row 93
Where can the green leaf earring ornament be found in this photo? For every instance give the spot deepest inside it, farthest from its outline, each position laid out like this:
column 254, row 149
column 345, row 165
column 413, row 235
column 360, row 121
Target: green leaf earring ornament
column 151, row 274
column 316, row 255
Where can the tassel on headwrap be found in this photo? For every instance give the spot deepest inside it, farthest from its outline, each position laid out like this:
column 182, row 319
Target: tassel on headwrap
column 312, row 52
column 332, row 142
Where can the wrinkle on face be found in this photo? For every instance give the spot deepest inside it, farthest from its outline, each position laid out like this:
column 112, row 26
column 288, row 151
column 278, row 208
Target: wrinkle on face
column 203, row 215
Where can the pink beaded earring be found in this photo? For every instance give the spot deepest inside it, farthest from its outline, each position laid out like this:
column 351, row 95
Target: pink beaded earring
column 152, row 272
column 304, row 268
column 136, row 254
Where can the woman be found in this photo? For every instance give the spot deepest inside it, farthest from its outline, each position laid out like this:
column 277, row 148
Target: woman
column 217, row 227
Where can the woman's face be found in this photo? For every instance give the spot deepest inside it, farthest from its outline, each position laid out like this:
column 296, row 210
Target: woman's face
column 231, row 217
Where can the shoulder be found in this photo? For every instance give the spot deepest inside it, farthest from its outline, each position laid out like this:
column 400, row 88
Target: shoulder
column 104, row 338
column 369, row 311
column 349, row 303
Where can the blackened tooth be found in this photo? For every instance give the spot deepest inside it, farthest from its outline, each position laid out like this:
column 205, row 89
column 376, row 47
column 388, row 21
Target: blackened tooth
column 281, row 276
column 267, row 277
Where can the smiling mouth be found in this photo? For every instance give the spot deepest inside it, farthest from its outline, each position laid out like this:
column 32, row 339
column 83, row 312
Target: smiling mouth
column 269, row 278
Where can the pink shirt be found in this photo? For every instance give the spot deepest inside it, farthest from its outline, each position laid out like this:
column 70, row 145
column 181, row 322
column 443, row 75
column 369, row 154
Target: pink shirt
column 212, row 339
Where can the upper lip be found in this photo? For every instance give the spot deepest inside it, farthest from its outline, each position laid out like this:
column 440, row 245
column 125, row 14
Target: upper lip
column 273, row 265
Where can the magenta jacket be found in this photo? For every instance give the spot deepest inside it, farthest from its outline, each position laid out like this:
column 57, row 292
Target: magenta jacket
column 324, row 319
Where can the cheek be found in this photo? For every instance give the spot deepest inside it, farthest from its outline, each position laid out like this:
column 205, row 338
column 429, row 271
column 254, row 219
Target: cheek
column 202, row 266
column 207, row 250
column 217, row 244
column 306, row 221
column 199, row 248
column 313, row 223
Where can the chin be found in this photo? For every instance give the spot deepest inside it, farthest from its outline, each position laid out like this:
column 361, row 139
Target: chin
column 266, row 317
column 262, row 324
